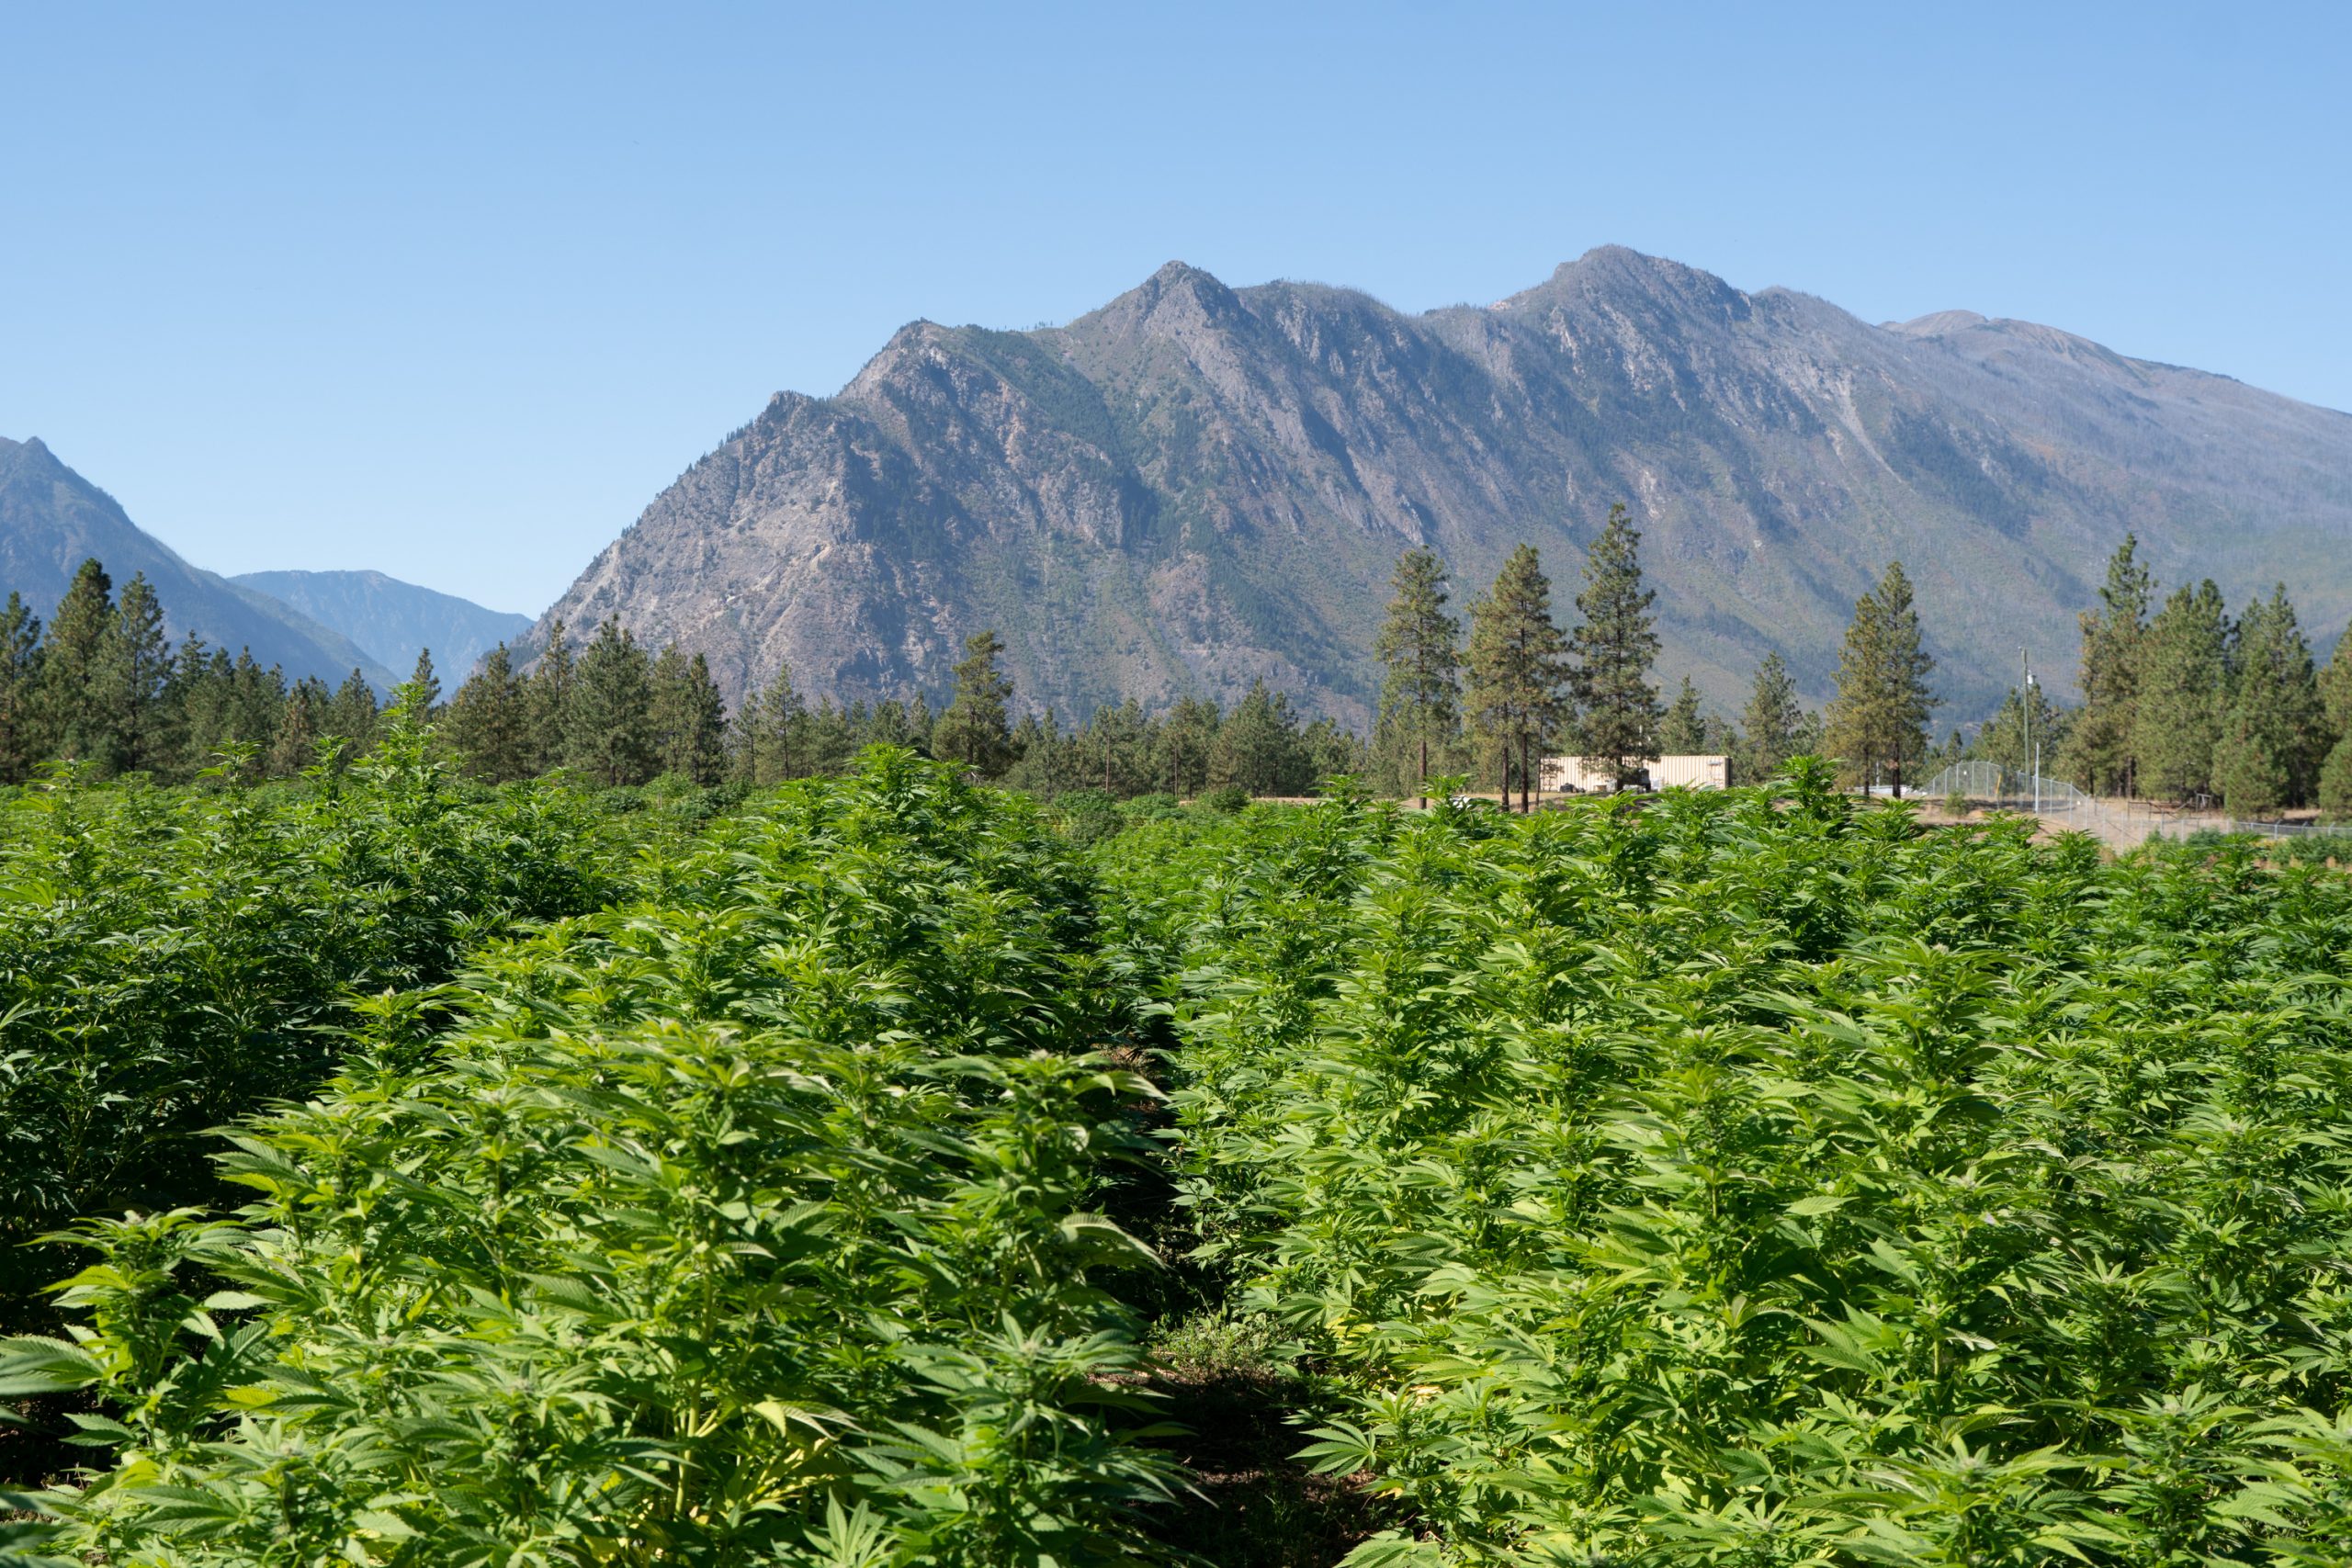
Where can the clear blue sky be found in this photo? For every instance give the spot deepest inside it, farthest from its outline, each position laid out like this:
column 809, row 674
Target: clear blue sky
column 453, row 291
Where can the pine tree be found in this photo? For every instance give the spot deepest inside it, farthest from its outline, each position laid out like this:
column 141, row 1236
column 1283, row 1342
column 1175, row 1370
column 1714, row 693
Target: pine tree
column 2099, row 751
column 489, row 721
column 2181, row 684
column 21, row 747
column 831, row 739
column 547, row 703
column 1115, row 749
column 1683, row 732
column 1181, row 763
column 302, row 728
column 2336, row 689
column 1772, row 720
column 689, row 719
column 1518, row 668
column 1615, row 644
column 921, row 723
column 1333, row 751
column 201, row 692
column 2334, row 793
column 427, row 683
column 770, row 733
column 351, row 713
column 255, row 706
column 78, row 720
column 1420, row 702
column 1878, row 723
column 1259, row 748
column 610, row 731
column 2273, row 738
column 133, row 682
column 977, row 729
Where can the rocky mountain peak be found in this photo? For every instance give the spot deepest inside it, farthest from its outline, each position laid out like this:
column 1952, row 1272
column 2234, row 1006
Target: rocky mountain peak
column 1194, row 486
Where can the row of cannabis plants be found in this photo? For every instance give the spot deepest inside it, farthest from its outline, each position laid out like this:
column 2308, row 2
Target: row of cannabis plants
column 172, row 959
column 754, row 1217
column 1727, row 1182
column 1747, row 1178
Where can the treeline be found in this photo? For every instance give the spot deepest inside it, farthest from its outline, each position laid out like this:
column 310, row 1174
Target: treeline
column 1521, row 687
column 2183, row 701
column 102, row 685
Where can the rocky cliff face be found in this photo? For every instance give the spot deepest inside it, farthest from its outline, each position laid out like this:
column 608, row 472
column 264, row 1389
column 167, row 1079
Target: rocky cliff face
column 1197, row 485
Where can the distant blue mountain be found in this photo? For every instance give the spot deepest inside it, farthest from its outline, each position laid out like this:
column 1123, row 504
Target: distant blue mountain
column 51, row 520
column 392, row 619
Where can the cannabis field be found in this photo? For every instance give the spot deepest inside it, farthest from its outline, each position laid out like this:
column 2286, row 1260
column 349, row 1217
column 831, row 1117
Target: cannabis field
column 893, row 1171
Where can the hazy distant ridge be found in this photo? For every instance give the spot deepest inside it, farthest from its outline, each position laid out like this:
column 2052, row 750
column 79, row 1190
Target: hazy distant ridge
column 51, row 519
column 392, row 619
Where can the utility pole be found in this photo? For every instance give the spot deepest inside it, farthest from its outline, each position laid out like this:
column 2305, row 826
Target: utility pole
column 2025, row 700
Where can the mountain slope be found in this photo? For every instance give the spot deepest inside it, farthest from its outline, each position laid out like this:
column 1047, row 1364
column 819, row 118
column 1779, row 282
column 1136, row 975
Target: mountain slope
column 1196, row 485
column 51, row 519
column 392, row 619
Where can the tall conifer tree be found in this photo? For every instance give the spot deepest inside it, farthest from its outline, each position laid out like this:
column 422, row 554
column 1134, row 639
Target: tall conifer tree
column 1420, row 702
column 351, row 713
column 1683, row 731
column 1258, row 747
column 1186, row 740
column 549, row 702
column 689, row 719
column 201, row 693
column 977, row 728
column 1615, row 643
column 302, row 728
column 2182, row 685
column 22, row 741
column 610, row 737
column 2099, row 752
column 1518, row 668
column 78, row 721
column 133, row 680
column 424, row 678
column 1772, row 720
column 2272, row 739
column 2335, row 792
column 1878, row 722
column 489, row 720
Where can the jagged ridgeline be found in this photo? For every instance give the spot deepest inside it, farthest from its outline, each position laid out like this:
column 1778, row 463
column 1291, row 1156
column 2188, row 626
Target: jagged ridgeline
column 1737, row 1178
column 1196, row 487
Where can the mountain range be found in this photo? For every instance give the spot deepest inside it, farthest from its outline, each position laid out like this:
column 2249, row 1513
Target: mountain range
column 51, row 519
column 1196, row 485
column 393, row 620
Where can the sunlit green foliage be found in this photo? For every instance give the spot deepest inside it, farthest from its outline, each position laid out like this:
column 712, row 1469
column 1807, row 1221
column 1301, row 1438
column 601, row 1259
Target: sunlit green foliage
column 1751, row 1179
column 749, row 1221
column 1726, row 1183
column 169, row 960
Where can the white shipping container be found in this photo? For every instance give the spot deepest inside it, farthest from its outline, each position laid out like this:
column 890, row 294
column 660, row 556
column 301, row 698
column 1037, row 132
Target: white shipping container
column 1692, row 771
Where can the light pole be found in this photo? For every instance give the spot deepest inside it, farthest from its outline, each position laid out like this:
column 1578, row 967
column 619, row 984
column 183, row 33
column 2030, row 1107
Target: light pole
column 2025, row 703
column 2033, row 752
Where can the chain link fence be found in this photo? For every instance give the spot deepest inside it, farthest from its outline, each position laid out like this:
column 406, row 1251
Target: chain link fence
column 2119, row 823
